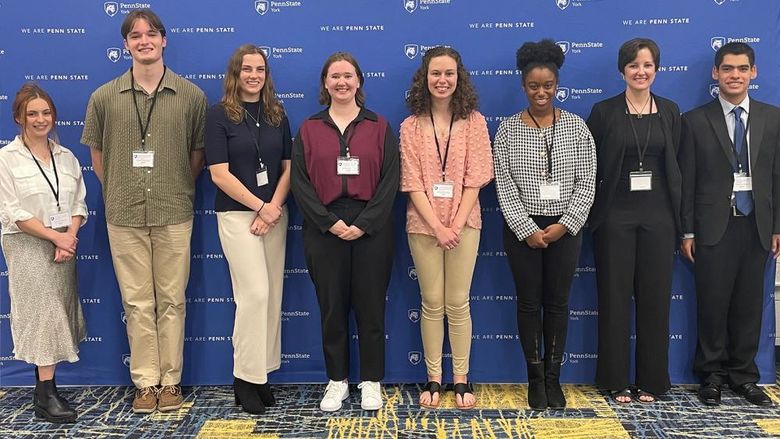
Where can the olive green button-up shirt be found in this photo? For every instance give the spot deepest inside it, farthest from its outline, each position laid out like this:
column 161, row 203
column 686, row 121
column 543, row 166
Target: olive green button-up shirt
column 138, row 196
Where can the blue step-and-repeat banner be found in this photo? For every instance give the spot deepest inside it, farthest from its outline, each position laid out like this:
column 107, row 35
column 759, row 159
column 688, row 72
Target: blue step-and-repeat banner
column 70, row 48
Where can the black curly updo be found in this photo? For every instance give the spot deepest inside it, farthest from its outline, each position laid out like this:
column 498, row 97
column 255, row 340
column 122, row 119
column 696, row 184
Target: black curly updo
column 545, row 54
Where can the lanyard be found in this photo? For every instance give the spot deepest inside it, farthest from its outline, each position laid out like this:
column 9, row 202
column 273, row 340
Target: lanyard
column 255, row 133
column 744, row 144
column 443, row 160
column 641, row 150
column 54, row 191
column 144, row 129
column 548, row 145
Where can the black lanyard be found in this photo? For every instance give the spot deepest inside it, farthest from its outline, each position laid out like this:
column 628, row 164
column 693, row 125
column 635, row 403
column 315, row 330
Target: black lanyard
column 54, row 191
column 144, row 129
column 548, row 145
column 443, row 160
column 738, row 167
column 255, row 133
column 641, row 150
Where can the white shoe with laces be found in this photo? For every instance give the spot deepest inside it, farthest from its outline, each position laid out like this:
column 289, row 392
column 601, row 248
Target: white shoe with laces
column 370, row 395
column 335, row 393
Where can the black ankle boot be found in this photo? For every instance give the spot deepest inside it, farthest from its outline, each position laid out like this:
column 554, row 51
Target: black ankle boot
column 537, row 395
column 247, row 397
column 552, row 374
column 266, row 394
column 49, row 405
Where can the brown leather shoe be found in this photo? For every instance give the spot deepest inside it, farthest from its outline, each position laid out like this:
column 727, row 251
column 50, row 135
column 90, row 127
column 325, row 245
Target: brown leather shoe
column 169, row 398
column 145, row 400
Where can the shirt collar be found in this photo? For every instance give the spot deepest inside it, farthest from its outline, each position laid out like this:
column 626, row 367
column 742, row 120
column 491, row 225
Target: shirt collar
column 18, row 146
column 728, row 107
column 363, row 114
column 168, row 81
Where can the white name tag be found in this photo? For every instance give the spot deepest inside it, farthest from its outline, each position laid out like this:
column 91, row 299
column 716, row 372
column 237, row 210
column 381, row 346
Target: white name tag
column 641, row 180
column 550, row 191
column 262, row 176
column 143, row 159
column 742, row 182
column 443, row 190
column 348, row 165
column 59, row 219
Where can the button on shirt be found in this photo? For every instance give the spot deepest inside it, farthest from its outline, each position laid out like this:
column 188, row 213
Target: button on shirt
column 520, row 161
column 24, row 193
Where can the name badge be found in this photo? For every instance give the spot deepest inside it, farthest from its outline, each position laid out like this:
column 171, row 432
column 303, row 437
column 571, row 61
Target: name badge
column 143, row 159
column 59, row 219
column 742, row 182
column 348, row 165
column 550, row 191
column 444, row 190
column 641, row 180
column 261, row 175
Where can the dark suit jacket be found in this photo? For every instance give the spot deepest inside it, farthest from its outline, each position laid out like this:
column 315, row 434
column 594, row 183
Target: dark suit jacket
column 611, row 132
column 707, row 161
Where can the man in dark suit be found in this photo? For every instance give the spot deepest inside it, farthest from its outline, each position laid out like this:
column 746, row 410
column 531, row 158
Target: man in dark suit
column 730, row 219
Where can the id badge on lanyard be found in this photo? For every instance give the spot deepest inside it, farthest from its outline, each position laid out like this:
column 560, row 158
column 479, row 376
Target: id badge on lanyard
column 641, row 180
column 348, row 165
column 550, row 191
column 59, row 219
column 445, row 189
column 261, row 175
column 143, row 159
column 742, row 182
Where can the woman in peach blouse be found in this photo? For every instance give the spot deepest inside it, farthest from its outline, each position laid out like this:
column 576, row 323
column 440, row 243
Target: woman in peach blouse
column 445, row 160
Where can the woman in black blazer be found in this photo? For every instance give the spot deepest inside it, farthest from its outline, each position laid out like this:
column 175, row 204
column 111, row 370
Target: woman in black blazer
column 635, row 219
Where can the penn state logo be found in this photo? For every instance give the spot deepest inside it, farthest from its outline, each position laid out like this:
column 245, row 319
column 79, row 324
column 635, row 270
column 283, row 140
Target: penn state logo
column 717, row 42
column 564, row 45
column 411, row 50
column 714, row 90
column 562, row 94
column 123, row 317
column 110, row 8
column 406, row 94
column 719, row 2
column 414, row 357
column 126, row 359
column 412, row 272
column 114, row 54
column 261, row 6
column 414, row 315
column 565, row 358
column 410, row 5
column 266, row 50
column 562, row 4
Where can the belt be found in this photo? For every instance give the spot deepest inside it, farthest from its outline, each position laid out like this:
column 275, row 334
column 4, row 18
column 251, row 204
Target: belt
column 736, row 213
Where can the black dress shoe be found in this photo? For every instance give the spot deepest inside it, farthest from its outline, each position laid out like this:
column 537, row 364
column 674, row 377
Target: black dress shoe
column 753, row 394
column 709, row 394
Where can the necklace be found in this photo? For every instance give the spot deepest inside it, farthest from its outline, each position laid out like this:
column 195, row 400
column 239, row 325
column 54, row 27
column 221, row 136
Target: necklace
column 641, row 110
column 255, row 119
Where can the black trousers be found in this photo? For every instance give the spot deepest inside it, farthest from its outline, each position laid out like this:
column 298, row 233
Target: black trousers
column 351, row 275
column 729, row 296
column 542, row 282
column 634, row 253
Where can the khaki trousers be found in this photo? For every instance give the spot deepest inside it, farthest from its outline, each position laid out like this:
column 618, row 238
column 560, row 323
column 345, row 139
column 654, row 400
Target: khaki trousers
column 445, row 283
column 152, row 266
column 256, row 272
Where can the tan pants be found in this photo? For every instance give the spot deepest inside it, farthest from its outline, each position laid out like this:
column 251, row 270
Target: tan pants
column 152, row 266
column 445, row 283
column 256, row 271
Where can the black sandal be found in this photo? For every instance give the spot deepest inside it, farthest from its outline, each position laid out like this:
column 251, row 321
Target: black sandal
column 432, row 387
column 642, row 393
column 462, row 389
column 625, row 393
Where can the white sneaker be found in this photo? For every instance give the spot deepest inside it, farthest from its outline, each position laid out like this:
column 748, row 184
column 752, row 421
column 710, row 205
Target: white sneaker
column 335, row 393
column 370, row 395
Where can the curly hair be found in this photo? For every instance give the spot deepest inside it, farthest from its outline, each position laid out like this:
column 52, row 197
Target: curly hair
column 360, row 96
column 464, row 99
column 231, row 100
column 545, row 54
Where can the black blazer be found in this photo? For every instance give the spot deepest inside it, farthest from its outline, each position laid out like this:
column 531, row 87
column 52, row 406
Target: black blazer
column 608, row 124
column 706, row 159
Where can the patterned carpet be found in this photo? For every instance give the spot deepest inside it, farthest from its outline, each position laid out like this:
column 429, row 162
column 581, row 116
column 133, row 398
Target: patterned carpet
column 209, row 412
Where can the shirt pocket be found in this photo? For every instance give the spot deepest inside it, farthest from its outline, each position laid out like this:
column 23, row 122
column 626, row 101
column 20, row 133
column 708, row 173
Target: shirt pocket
column 68, row 186
column 29, row 181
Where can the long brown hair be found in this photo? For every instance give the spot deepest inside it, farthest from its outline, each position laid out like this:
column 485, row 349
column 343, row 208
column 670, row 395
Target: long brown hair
column 464, row 99
column 360, row 97
column 27, row 93
column 231, row 100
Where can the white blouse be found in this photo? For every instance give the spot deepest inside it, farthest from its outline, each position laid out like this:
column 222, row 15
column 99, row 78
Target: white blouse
column 24, row 192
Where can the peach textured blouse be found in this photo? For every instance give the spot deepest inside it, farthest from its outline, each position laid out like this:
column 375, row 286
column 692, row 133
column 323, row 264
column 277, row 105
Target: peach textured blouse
column 469, row 164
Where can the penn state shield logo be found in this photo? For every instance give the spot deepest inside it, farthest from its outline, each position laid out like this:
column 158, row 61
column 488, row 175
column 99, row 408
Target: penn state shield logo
column 565, row 358
column 412, row 272
column 562, row 4
column 410, row 50
column 564, row 45
column 111, row 8
column 562, row 94
column 266, row 51
column 261, row 6
column 123, row 317
column 719, row 2
column 114, row 54
column 126, row 359
column 714, row 90
column 414, row 315
column 406, row 94
column 717, row 42
column 415, row 357
column 410, row 5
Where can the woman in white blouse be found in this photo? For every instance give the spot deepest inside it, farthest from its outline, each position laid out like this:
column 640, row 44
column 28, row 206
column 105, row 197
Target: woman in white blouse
column 41, row 209
column 545, row 166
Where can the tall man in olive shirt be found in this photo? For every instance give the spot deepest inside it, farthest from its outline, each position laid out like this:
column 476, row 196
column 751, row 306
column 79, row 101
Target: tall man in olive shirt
column 145, row 132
